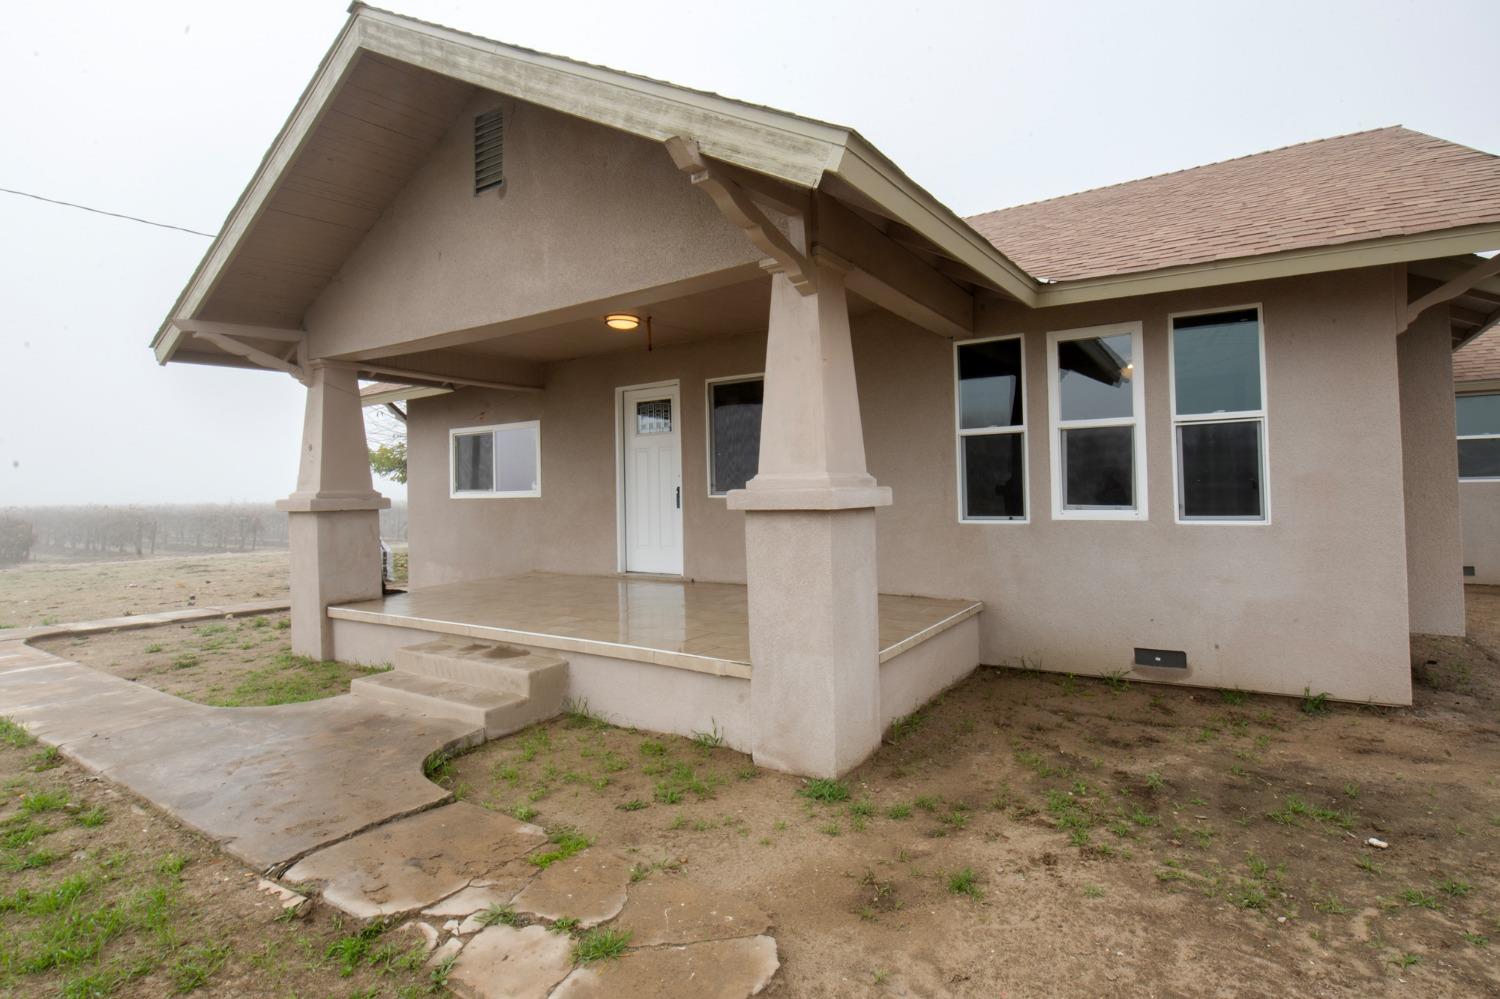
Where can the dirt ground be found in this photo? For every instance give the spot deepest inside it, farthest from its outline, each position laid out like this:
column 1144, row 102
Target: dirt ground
column 1045, row 835
column 1029, row 835
column 49, row 593
column 236, row 662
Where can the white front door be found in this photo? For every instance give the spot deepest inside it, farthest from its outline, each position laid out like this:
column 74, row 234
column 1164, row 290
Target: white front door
column 651, row 463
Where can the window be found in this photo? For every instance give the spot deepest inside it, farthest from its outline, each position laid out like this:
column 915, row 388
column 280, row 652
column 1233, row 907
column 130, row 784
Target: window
column 1479, row 436
column 733, row 431
column 1219, row 416
column 1096, row 402
column 500, row 461
column 991, row 429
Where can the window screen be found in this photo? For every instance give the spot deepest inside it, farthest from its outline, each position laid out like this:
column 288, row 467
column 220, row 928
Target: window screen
column 992, row 430
column 503, row 460
column 734, row 433
column 1219, row 416
column 473, row 462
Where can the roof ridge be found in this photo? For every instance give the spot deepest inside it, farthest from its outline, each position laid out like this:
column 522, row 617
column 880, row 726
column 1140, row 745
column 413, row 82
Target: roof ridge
column 1200, row 166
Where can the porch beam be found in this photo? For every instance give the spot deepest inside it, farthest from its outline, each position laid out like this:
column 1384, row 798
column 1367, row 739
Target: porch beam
column 736, row 205
column 254, row 355
column 1453, row 288
column 890, row 275
column 429, row 377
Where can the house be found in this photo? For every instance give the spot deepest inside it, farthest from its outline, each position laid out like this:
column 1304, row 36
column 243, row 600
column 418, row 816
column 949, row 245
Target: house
column 1476, row 383
column 749, row 433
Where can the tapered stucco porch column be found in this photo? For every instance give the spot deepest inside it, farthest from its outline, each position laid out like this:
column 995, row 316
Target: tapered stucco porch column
column 333, row 517
column 810, row 544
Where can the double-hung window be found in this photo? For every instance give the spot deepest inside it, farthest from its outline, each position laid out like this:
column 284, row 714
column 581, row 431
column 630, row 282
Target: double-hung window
column 1219, row 416
column 1479, row 436
column 1098, row 435
column 734, row 406
column 991, row 429
column 498, row 461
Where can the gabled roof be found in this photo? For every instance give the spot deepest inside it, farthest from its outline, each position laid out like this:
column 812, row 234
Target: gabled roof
column 1383, row 183
column 1478, row 360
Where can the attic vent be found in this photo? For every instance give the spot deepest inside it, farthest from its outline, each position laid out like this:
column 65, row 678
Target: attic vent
column 489, row 149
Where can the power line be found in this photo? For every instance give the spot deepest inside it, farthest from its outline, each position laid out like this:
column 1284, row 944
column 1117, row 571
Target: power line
column 100, row 211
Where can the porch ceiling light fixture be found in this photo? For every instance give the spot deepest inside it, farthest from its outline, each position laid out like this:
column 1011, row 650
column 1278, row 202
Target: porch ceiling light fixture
column 623, row 322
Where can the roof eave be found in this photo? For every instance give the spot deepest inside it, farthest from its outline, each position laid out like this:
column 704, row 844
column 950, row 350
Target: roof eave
column 1289, row 263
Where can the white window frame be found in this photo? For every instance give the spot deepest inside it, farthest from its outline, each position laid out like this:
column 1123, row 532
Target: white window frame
column 1261, row 415
column 1137, row 420
column 456, row 493
column 1476, row 437
column 960, row 433
column 708, row 422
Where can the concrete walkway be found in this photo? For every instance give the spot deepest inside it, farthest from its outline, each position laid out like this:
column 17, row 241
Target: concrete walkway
column 268, row 784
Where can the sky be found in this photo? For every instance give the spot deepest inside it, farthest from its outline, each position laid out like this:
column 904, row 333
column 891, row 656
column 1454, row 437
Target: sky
column 163, row 110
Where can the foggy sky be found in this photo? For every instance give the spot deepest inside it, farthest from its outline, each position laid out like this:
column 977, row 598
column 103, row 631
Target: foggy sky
column 163, row 110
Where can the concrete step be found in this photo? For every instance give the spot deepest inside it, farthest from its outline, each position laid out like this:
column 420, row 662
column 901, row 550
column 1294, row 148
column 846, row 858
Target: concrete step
column 499, row 713
column 534, row 674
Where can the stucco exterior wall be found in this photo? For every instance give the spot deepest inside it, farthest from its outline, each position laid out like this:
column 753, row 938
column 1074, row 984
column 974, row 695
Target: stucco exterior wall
column 1315, row 599
column 1480, row 505
column 585, row 213
column 571, row 527
column 1434, row 534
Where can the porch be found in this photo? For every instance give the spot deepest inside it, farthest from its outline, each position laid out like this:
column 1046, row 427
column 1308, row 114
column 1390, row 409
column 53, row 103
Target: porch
column 663, row 654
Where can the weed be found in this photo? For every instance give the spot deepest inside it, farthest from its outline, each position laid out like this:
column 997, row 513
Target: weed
column 1418, row 899
column 1368, row 865
column 1477, row 939
column 904, row 727
column 46, row 759
column 171, row 864
column 1351, row 790
column 1406, row 960
column 1234, row 698
column 1117, row 681
column 185, row 661
column 523, row 813
column 499, row 915
column 578, row 715
column 352, row 950
column 965, row 882
column 825, row 790
column 928, row 803
column 1450, row 886
column 152, row 649
column 862, row 809
column 831, row 829
column 44, row 801
column 600, row 945
column 712, row 739
column 633, row 805
column 900, row 811
column 1093, row 891
column 1330, row 904
column 567, row 924
column 1314, row 704
column 93, row 818
column 650, row 747
column 1155, row 781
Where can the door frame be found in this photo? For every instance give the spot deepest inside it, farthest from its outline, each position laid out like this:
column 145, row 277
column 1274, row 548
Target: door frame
column 675, row 386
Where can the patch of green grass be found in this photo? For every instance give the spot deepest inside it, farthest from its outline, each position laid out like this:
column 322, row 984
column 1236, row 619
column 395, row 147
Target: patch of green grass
column 1093, row 891
column 1155, row 781
column 46, row 759
column 965, row 882
column 825, row 790
column 603, row 944
column 1117, row 680
column 1477, row 939
column 566, row 842
column 1367, row 864
column 1329, row 903
column 44, row 801
column 1405, row 961
column 650, row 747
column 194, row 966
column 14, row 735
column 1234, row 698
column 578, row 715
column 187, row 661
column 152, row 649
column 928, row 803
column 1418, row 899
column 290, row 679
column 171, row 864
column 523, row 813
column 633, row 805
column 862, row 809
column 567, row 924
column 351, row 951
column 898, row 811
column 831, row 829
column 93, row 818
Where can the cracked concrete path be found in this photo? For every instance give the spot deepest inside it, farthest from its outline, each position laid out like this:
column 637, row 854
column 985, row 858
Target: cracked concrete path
column 269, row 784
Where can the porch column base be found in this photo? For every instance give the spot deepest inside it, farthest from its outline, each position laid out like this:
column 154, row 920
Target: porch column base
column 814, row 638
column 335, row 558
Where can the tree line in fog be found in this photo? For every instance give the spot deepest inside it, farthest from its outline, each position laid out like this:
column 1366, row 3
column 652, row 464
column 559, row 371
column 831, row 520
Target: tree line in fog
column 154, row 529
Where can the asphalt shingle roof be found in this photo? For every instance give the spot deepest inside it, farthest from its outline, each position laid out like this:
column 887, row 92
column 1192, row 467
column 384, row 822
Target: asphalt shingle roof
column 1386, row 182
column 1479, row 359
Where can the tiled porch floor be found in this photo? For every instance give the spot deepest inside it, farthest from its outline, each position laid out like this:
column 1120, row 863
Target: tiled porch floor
column 666, row 621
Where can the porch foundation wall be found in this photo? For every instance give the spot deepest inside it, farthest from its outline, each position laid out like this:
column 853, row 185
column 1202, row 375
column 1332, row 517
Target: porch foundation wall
column 916, row 676
column 1480, row 503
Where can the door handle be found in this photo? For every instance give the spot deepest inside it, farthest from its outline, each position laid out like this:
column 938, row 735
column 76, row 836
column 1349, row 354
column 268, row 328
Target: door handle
column 679, row 497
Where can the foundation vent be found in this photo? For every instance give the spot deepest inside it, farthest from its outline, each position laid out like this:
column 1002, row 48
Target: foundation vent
column 1468, row 570
column 489, row 150
column 1161, row 658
